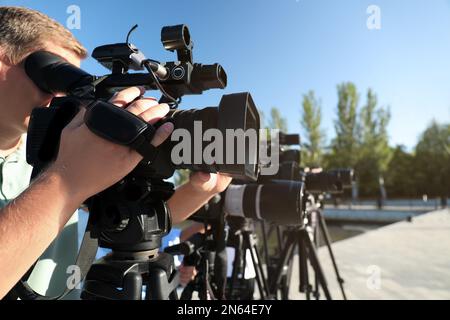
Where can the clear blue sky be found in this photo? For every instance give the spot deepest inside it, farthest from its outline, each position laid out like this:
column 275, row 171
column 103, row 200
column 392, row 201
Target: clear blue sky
column 278, row 50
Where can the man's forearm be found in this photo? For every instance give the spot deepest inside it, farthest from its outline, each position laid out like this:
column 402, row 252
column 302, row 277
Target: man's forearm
column 30, row 223
column 185, row 201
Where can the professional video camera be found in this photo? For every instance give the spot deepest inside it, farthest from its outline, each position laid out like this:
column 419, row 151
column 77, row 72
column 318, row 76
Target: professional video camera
column 332, row 181
column 265, row 198
column 131, row 217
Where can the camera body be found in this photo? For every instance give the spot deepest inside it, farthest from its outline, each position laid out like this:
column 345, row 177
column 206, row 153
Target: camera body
column 132, row 215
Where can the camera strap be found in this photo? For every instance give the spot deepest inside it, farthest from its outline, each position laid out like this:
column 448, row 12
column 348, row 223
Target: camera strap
column 117, row 125
column 85, row 258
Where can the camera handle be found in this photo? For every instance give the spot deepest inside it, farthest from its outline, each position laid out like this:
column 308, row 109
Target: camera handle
column 103, row 119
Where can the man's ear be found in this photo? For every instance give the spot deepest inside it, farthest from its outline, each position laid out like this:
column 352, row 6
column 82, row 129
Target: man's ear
column 3, row 60
column 2, row 65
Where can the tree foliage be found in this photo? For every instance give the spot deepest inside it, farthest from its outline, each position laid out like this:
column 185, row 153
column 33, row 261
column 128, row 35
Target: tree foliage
column 373, row 151
column 344, row 146
column 313, row 136
column 432, row 161
column 277, row 121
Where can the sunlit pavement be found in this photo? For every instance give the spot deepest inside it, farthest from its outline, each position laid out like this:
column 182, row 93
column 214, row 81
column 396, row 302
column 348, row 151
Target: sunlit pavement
column 405, row 260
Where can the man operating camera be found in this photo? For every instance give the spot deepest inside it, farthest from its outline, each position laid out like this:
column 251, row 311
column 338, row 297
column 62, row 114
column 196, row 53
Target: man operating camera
column 39, row 220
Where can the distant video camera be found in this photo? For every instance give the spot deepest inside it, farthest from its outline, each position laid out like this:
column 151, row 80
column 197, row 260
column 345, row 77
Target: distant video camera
column 281, row 199
column 275, row 199
column 332, row 181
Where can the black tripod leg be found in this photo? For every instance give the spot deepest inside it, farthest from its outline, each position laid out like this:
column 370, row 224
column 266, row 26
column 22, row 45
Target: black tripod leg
column 132, row 286
column 287, row 278
column 237, row 264
column 260, row 278
column 316, row 235
column 188, row 290
column 289, row 246
column 205, row 291
column 314, row 260
column 303, row 267
column 326, row 237
column 265, row 245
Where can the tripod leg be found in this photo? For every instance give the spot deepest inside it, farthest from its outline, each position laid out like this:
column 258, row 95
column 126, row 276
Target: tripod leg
column 326, row 236
column 303, row 267
column 287, row 279
column 314, row 260
column 188, row 291
column 205, row 291
column 260, row 278
column 316, row 235
column 283, row 261
column 116, row 284
column 265, row 244
column 237, row 264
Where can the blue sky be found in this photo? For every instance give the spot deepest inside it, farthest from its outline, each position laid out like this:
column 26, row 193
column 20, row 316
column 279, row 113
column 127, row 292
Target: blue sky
column 278, row 50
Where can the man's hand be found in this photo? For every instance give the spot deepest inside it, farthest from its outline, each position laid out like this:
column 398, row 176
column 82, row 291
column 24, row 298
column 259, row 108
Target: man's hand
column 209, row 183
column 90, row 164
column 194, row 194
column 187, row 274
column 86, row 164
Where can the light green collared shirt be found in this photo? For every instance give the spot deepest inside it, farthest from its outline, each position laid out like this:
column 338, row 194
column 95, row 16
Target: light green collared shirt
column 50, row 275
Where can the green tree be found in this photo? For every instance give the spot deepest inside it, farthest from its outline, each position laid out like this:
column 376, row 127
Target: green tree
column 373, row 152
column 433, row 161
column 313, row 136
column 276, row 121
column 344, row 146
column 400, row 176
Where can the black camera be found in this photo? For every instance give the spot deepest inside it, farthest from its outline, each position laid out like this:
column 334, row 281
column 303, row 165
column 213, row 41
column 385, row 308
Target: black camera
column 236, row 111
column 131, row 216
column 276, row 199
column 111, row 209
column 332, row 181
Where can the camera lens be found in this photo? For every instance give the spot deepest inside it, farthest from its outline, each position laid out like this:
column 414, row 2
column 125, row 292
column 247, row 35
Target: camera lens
column 236, row 121
column 205, row 77
column 278, row 202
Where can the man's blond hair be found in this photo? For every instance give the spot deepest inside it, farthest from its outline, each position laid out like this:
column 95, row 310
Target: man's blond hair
column 24, row 31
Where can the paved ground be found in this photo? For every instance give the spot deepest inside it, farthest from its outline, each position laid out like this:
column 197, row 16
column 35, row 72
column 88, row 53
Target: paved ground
column 405, row 260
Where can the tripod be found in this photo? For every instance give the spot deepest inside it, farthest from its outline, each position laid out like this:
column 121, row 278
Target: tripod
column 198, row 251
column 306, row 238
column 133, row 229
column 299, row 237
column 201, row 282
column 207, row 252
column 243, row 240
column 117, row 277
column 320, row 227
